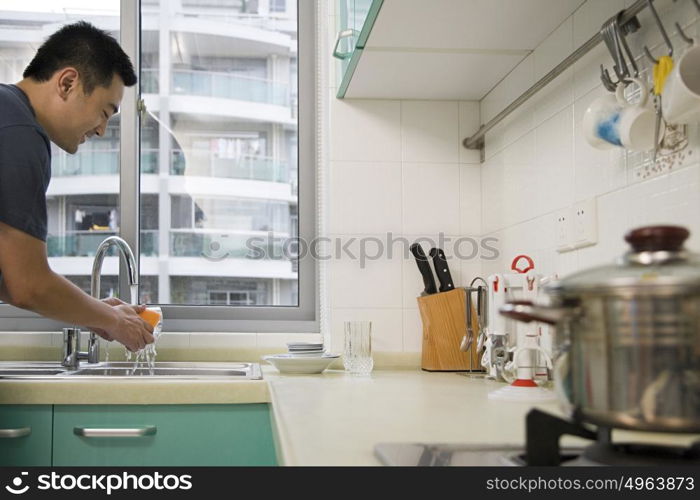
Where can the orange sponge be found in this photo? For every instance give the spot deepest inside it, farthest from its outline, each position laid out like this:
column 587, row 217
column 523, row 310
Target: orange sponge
column 150, row 317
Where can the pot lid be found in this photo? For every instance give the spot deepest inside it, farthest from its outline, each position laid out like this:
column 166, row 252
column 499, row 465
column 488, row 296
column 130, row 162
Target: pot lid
column 656, row 258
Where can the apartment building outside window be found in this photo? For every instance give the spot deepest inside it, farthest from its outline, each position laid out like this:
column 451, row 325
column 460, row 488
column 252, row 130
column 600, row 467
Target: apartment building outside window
column 219, row 158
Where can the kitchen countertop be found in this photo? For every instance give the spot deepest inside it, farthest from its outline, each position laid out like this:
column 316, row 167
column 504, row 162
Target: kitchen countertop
column 337, row 419
column 83, row 392
column 332, row 418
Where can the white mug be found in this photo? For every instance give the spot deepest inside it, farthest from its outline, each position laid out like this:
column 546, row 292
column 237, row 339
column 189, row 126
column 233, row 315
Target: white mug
column 597, row 122
column 611, row 121
column 680, row 99
column 637, row 125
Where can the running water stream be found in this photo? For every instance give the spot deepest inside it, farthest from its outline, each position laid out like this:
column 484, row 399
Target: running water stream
column 147, row 354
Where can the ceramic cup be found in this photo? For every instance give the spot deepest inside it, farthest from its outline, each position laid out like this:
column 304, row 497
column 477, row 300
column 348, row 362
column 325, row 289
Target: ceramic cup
column 680, row 99
column 638, row 120
column 612, row 121
column 599, row 120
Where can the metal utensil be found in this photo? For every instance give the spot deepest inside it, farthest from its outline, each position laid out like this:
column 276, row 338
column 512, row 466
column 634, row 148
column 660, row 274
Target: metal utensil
column 468, row 339
column 657, row 125
column 662, row 68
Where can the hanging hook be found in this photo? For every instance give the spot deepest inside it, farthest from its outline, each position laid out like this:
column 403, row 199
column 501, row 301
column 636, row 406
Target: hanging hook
column 623, row 42
column 660, row 25
column 610, row 31
column 607, row 81
column 685, row 37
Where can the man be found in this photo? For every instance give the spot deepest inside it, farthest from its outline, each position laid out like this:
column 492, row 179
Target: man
column 69, row 91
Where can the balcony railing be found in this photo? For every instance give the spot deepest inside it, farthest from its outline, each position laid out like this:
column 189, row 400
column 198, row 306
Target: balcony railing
column 206, row 163
column 188, row 162
column 99, row 162
column 229, row 86
column 183, row 243
column 85, row 243
column 220, row 245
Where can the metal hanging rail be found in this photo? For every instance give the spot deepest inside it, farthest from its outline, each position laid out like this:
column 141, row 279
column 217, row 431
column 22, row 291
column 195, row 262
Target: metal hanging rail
column 476, row 141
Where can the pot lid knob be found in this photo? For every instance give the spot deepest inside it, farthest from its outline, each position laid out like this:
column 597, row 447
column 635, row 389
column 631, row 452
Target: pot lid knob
column 657, row 238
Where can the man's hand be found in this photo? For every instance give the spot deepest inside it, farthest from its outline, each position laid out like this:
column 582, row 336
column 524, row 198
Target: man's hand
column 131, row 329
column 115, row 301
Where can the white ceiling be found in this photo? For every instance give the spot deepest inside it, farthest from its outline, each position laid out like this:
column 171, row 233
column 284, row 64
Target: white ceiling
column 451, row 49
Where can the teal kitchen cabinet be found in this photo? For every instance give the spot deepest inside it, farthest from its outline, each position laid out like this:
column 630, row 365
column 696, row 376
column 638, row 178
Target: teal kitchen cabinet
column 355, row 21
column 25, row 435
column 162, row 435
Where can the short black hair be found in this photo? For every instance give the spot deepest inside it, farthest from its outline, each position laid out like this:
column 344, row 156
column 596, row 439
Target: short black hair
column 94, row 53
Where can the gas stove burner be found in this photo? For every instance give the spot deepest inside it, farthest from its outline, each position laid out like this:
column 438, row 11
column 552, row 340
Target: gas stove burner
column 543, row 432
column 642, row 454
column 542, row 446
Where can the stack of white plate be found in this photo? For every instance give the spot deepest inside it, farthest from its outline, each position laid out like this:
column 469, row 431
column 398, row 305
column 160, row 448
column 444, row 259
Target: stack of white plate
column 303, row 357
column 305, row 349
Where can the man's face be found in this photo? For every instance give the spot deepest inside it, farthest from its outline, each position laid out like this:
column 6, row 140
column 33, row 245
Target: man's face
column 86, row 115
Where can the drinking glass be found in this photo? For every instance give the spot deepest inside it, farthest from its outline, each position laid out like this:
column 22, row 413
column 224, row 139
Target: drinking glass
column 357, row 354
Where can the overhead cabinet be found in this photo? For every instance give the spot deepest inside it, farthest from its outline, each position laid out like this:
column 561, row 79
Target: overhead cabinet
column 441, row 49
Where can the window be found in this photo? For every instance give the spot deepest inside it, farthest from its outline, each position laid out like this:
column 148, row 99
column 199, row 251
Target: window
column 225, row 159
column 278, row 5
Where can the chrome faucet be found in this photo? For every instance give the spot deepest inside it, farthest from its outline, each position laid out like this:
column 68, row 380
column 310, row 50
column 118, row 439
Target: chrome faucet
column 71, row 336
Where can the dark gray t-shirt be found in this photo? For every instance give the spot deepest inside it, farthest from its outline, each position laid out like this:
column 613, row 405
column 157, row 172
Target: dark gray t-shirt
column 25, row 164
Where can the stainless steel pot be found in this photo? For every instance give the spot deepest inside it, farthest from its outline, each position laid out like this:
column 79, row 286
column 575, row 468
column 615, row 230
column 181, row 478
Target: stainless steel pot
column 628, row 336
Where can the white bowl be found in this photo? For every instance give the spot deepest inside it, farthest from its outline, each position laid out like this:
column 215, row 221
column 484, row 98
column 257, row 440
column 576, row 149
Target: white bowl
column 287, row 363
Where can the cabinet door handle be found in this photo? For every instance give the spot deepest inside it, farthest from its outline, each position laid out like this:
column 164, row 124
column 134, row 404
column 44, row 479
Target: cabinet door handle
column 90, row 432
column 341, row 35
column 15, row 433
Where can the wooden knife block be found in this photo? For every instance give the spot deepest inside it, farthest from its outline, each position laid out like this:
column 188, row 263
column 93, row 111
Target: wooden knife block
column 444, row 326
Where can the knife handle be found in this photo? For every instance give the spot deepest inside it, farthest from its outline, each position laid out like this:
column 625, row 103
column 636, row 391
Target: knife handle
column 442, row 270
column 424, row 268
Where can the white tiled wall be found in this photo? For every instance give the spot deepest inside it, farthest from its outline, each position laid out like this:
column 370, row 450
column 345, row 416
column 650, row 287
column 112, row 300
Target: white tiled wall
column 399, row 167
column 397, row 171
column 538, row 162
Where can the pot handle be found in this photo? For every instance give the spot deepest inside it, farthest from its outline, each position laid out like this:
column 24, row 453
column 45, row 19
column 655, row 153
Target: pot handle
column 525, row 311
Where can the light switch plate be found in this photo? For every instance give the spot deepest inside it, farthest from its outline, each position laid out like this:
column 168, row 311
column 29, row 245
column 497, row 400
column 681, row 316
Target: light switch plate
column 563, row 227
column 585, row 223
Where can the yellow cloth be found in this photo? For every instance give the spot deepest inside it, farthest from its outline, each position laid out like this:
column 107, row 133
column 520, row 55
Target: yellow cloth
column 661, row 71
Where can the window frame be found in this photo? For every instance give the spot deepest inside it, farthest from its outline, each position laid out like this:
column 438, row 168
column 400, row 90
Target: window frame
column 304, row 318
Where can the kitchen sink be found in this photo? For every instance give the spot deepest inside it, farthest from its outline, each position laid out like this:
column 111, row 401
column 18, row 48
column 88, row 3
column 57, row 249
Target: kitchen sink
column 28, row 371
column 172, row 369
column 128, row 370
column 159, row 372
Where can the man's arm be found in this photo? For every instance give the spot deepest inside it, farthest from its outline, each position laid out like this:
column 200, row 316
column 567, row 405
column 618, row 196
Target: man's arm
column 29, row 283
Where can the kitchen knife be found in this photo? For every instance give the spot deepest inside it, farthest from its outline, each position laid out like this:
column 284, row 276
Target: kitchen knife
column 424, row 268
column 441, row 269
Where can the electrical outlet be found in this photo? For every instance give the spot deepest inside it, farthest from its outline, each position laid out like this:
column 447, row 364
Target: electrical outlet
column 563, row 230
column 585, row 223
